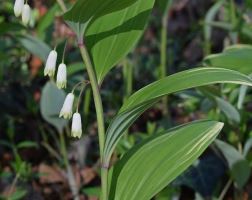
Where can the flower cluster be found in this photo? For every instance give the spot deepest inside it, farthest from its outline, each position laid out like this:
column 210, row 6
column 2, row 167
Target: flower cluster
column 67, row 112
column 61, row 82
column 50, row 69
column 21, row 8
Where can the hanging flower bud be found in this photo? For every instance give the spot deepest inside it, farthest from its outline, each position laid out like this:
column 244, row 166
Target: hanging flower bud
column 51, row 64
column 62, row 76
column 18, row 7
column 76, row 126
column 66, row 111
column 26, row 14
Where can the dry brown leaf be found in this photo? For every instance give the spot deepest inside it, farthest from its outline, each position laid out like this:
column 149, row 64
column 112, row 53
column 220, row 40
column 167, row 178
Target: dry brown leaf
column 88, row 174
column 51, row 174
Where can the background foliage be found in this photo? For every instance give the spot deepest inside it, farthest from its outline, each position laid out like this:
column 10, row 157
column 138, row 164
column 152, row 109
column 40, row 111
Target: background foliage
column 199, row 33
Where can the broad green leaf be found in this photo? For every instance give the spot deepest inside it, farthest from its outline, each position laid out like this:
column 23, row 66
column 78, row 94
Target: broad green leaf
column 239, row 166
column 154, row 163
column 85, row 10
column 111, row 37
column 34, row 46
column 237, row 58
column 50, row 105
column 147, row 96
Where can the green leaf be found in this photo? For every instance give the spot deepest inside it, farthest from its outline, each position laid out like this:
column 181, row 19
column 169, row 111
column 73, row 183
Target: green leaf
column 147, row 96
column 242, row 94
column 247, row 147
column 18, row 194
column 8, row 27
column 248, row 4
column 75, row 68
column 237, row 58
column 229, row 110
column 92, row 191
column 245, row 29
column 46, row 21
column 85, row 10
column 27, row 144
column 210, row 16
column 150, row 166
column 111, row 37
column 34, row 46
column 50, row 105
column 238, row 165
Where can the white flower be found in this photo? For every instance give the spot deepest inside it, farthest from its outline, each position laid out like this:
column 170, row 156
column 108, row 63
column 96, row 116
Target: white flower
column 62, row 76
column 51, row 64
column 76, row 126
column 66, row 111
column 18, row 7
column 26, row 14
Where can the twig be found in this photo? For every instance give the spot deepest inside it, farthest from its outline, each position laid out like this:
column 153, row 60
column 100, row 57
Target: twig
column 52, row 151
column 13, row 185
column 225, row 189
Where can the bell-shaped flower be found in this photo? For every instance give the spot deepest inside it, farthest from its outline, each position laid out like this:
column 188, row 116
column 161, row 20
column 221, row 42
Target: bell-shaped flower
column 67, row 109
column 62, row 76
column 76, row 126
column 18, row 7
column 51, row 64
column 26, row 14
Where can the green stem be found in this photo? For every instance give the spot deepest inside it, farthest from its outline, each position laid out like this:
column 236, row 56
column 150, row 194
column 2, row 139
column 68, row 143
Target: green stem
column 87, row 102
column 128, row 78
column 70, row 176
column 163, row 57
column 163, row 52
column 63, row 149
column 128, row 82
column 99, row 115
column 225, row 189
column 62, row 5
column 64, row 52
